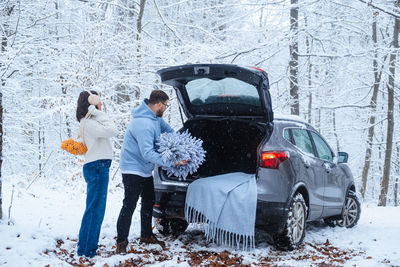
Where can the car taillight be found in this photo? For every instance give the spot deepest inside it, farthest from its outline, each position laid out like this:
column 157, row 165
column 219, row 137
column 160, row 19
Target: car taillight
column 272, row 159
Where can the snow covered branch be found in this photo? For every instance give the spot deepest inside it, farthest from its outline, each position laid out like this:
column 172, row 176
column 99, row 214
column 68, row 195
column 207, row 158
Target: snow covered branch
column 370, row 3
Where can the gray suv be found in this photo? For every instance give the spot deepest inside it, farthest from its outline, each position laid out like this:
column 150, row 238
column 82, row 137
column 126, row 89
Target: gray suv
column 299, row 178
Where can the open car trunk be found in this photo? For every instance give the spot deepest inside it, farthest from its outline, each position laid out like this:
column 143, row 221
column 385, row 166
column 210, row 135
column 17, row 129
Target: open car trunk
column 231, row 145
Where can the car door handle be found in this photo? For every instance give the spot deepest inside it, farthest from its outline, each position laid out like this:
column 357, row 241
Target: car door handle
column 328, row 167
column 306, row 164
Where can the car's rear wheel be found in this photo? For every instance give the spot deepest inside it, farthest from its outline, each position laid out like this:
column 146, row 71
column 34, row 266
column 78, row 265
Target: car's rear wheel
column 173, row 226
column 293, row 234
column 351, row 211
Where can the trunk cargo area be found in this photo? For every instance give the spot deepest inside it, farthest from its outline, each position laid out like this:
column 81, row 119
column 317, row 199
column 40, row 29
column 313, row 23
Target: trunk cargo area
column 231, row 145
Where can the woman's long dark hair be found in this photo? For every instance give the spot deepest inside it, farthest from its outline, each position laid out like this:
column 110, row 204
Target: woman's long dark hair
column 83, row 104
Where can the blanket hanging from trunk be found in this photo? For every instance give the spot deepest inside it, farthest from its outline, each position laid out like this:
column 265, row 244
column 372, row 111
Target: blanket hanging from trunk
column 226, row 206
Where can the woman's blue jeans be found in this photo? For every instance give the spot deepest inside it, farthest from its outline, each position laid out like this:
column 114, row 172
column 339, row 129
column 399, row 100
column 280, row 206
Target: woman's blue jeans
column 96, row 177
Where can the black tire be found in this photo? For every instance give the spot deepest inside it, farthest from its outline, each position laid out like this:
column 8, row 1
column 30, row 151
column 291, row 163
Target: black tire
column 295, row 228
column 178, row 226
column 162, row 225
column 351, row 211
column 330, row 222
column 168, row 227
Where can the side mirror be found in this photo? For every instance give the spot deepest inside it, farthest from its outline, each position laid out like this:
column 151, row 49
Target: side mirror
column 343, row 157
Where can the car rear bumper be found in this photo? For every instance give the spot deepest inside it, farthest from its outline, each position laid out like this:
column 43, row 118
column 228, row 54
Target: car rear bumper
column 169, row 204
column 270, row 216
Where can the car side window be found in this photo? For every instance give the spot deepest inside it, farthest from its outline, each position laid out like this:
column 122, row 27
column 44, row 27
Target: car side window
column 324, row 152
column 302, row 140
column 286, row 135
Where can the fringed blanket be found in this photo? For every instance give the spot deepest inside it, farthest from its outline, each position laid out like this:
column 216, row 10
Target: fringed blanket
column 226, row 206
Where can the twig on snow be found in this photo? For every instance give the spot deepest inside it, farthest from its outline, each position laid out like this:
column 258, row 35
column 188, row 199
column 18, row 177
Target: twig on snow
column 44, row 165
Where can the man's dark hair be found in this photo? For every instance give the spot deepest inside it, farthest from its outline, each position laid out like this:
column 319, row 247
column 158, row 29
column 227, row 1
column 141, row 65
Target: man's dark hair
column 158, row 96
column 83, row 104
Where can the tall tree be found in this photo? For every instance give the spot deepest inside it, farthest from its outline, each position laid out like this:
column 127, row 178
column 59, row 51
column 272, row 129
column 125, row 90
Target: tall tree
column 5, row 11
column 139, row 28
column 390, row 118
column 1, row 146
column 309, row 74
column 294, row 58
column 396, row 183
column 371, row 129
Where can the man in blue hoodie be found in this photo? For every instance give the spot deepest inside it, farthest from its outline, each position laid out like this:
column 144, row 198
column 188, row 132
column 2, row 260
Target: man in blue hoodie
column 138, row 156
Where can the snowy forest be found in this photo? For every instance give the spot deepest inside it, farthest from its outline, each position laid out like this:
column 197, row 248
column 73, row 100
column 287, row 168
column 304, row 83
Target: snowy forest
column 334, row 63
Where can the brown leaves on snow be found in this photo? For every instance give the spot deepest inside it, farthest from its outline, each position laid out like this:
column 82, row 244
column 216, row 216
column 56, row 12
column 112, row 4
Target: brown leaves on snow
column 214, row 259
column 331, row 254
column 320, row 254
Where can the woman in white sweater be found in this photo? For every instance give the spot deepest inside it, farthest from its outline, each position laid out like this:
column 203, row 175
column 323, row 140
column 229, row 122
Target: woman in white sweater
column 96, row 130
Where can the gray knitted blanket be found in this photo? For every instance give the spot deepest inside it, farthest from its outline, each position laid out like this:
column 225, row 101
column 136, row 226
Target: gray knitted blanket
column 226, row 206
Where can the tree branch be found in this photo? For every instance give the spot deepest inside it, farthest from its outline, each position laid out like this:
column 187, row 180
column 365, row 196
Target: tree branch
column 16, row 26
column 396, row 15
column 347, row 106
column 165, row 23
column 36, row 21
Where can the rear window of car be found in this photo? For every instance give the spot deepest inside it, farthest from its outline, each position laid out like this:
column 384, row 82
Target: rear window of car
column 302, row 140
column 222, row 91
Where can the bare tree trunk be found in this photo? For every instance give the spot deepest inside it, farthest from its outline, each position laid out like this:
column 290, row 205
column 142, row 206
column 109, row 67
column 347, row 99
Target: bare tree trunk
column 140, row 17
column 390, row 121
column 41, row 138
column 4, row 40
column 64, row 93
column 1, row 144
column 2, row 83
column 139, row 44
column 396, row 186
column 309, row 74
column 309, row 103
column 371, row 130
column 294, row 58
column 40, row 148
column 396, row 183
column 334, row 131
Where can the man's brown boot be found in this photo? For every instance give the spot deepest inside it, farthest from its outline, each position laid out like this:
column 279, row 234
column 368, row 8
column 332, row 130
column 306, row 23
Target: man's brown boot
column 121, row 247
column 152, row 240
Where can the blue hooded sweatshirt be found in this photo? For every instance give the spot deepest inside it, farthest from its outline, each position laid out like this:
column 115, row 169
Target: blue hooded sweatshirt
column 138, row 154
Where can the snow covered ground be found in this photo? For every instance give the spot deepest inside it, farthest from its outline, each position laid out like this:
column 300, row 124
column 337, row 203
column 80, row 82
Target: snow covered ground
column 46, row 219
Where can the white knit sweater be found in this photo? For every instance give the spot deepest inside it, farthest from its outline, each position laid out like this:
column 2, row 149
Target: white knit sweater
column 97, row 131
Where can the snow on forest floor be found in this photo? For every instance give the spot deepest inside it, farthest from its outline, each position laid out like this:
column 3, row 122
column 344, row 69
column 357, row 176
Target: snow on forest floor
column 45, row 221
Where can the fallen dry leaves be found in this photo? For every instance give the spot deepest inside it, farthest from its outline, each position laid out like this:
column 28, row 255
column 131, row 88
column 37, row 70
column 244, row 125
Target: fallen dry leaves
column 319, row 254
column 214, row 259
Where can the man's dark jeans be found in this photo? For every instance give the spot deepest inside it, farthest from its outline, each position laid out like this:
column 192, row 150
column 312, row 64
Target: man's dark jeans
column 136, row 186
column 96, row 177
